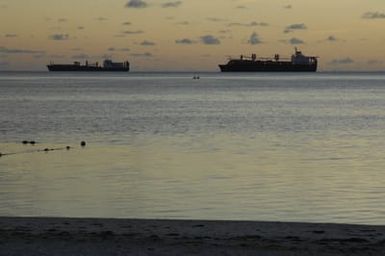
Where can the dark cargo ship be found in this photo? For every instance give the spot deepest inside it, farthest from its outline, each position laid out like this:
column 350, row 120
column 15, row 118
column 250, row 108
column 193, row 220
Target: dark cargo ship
column 297, row 63
column 108, row 65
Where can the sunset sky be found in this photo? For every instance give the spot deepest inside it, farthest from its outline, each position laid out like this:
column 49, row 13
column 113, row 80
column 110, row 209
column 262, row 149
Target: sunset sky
column 166, row 35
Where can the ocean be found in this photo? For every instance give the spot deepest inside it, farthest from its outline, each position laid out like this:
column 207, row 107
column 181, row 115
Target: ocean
column 268, row 147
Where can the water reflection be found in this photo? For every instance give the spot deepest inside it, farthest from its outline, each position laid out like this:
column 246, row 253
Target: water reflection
column 224, row 176
column 286, row 147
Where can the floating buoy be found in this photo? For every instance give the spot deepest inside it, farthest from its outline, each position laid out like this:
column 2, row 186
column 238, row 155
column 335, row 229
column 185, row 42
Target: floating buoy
column 32, row 142
column 25, row 142
column 83, row 143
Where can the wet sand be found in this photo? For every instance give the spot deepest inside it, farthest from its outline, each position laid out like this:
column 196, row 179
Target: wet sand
column 67, row 236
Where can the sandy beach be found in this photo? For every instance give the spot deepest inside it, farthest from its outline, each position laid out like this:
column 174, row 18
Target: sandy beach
column 65, row 236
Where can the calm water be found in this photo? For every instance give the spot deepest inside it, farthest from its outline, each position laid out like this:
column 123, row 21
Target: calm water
column 284, row 147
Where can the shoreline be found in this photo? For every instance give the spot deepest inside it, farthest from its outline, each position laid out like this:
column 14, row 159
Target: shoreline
column 95, row 236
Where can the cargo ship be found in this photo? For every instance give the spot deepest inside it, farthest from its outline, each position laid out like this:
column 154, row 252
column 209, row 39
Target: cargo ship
column 297, row 63
column 108, row 66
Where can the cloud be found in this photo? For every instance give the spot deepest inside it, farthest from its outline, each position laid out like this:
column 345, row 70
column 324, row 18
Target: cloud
column 373, row 15
column 296, row 41
column 146, row 55
column 59, row 37
column 62, row 20
column 172, row 4
column 343, row 61
column 224, row 31
column 254, row 39
column 289, row 6
column 101, row 19
column 104, row 56
column 80, row 27
column 331, row 39
column 147, row 43
column 57, row 56
column 113, row 49
column 215, row 19
column 4, row 63
column 209, row 39
column 292, row 27
column 184, row 41
column 126, row 23
column 130, row 32
column 80, row 56
column 241, row 7
column 136, row 4
column 183, row 23
column 11, row 35
column 251, row 24
column 375, row 62
column 39, row 56
column 18, row 51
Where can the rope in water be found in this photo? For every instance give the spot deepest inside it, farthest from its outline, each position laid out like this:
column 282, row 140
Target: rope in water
column 82, row 144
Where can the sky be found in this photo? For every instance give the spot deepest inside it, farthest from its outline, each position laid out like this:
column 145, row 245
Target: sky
column 191, row 35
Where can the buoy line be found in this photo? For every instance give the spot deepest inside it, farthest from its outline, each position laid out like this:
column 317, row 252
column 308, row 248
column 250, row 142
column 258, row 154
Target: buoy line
column 82, row 145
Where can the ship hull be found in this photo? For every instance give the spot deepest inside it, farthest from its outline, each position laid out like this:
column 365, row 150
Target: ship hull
column 268, row 67
column 77, row 68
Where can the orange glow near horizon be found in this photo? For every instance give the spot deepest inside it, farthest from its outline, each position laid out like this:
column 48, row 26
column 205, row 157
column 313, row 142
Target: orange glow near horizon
column 170, row 35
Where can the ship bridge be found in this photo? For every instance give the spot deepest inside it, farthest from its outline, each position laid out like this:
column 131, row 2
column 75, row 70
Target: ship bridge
column 299, row 59
column 110, row 64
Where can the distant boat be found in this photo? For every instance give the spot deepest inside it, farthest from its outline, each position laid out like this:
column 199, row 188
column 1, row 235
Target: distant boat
column 297, row 63
column 108, row 65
